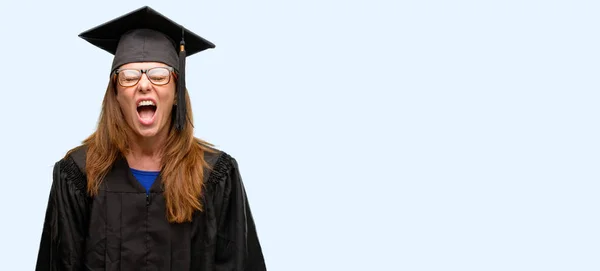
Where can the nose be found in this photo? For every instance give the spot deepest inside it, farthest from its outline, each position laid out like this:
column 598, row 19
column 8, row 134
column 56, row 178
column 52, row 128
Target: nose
column 144, row 84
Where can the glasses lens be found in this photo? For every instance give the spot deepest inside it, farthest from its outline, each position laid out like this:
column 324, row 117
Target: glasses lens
column 129, row 78
column 159, row 76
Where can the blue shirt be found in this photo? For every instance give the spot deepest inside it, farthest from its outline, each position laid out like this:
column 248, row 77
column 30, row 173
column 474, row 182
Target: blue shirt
column 146, row 178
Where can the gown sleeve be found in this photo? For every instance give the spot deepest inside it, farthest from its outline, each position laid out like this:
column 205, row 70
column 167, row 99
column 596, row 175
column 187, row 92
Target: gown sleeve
column 238, row 247
column 63, row 235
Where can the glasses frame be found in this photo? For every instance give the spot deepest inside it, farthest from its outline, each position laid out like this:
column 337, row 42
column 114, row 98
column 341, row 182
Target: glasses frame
column 144, row 71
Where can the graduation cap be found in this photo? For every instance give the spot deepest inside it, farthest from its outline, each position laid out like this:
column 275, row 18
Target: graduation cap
column 144, row 35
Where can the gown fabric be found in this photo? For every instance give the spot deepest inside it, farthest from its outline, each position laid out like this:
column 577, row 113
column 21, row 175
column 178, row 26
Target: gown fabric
column 125, row 228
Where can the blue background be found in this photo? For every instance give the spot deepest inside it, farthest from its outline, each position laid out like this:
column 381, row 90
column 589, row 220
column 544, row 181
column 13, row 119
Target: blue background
column 371, row 135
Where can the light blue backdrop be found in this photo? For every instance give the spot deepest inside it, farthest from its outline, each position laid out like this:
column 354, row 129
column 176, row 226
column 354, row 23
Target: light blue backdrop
column 371, row 135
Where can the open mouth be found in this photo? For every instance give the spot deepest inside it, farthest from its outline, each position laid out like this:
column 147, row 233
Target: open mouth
column 146, row 111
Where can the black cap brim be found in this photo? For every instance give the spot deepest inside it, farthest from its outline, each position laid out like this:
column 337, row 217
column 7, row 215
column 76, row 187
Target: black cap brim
column 107, row 35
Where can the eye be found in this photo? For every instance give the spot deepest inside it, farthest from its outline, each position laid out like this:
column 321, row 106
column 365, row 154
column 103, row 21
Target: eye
column 130, row 79
column 159, row 75
column 129, row 75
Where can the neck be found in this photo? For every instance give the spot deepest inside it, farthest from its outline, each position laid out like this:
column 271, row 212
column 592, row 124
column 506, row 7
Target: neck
column 145, row 153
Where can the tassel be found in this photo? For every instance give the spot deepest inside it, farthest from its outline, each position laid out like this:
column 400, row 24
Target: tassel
column 181, row 111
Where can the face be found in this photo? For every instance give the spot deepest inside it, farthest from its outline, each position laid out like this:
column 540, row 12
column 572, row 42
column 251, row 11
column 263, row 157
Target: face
column 146, row 106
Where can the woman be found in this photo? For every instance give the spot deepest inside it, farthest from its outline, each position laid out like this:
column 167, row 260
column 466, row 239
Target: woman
column 142, row 193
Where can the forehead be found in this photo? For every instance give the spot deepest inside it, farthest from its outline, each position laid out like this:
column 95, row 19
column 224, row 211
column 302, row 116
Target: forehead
column 143, row 65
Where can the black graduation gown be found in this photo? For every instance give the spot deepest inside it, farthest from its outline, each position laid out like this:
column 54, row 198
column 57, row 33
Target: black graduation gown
column 124, row 228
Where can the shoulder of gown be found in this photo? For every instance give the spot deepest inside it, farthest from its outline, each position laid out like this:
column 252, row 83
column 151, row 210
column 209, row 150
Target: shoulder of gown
column 238, row 246
column 64, row 228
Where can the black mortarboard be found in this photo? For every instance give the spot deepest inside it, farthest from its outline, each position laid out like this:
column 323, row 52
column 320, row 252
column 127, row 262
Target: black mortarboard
column 144, row 35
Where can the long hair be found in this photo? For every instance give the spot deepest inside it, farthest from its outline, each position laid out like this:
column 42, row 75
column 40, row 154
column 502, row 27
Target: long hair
column 182, row 163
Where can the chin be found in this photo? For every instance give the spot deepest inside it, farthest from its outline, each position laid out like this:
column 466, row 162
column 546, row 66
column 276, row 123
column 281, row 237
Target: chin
column 147, row 132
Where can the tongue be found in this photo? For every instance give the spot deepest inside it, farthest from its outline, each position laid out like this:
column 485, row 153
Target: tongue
column 146, row 112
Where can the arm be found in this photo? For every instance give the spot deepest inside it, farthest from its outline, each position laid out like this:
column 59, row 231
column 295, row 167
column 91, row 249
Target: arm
column 238, row 247
column 63, row 235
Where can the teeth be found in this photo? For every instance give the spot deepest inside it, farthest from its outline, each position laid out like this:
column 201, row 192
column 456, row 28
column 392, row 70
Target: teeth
column 147, row 102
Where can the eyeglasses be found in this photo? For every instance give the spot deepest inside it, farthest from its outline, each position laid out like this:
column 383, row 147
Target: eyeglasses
column 157, row 75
